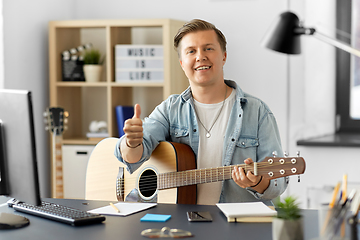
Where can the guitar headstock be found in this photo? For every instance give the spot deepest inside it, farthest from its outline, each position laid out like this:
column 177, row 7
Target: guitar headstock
column 56, row 119
column 276, row 167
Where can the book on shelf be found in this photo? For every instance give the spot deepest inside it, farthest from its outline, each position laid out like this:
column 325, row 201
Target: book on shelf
column 97, row 135
column 122, row 114
column 139, row 63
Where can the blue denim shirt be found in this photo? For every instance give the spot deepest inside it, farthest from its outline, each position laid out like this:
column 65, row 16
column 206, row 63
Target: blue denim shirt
column 252, row 132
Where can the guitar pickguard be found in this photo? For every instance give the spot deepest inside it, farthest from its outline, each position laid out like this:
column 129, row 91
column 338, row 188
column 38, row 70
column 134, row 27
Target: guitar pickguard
column 134, row 196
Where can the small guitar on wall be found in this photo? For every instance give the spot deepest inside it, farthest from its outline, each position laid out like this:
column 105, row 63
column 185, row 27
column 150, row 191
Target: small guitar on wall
column 56, row 117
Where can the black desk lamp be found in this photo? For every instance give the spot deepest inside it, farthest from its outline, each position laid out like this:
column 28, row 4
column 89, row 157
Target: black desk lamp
column 284, row 36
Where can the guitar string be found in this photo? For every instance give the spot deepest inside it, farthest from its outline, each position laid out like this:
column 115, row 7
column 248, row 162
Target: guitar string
column 192, row 179
column 213, row 171
column 205, row 172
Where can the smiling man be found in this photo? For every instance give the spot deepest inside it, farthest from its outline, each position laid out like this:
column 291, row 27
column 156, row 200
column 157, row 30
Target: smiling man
column 222, row 124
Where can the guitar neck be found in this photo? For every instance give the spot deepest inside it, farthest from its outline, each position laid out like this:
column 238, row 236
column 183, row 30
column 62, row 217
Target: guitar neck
column 269, row 168
column 58, row 188
column 197, row 176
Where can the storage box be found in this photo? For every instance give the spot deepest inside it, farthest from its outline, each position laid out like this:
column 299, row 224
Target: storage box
column 139, row 63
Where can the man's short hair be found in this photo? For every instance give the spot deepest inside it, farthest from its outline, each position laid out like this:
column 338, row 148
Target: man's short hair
column 198, row 25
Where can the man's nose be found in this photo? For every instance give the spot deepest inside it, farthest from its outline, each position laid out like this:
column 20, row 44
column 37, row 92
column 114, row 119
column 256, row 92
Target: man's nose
column 201, row 56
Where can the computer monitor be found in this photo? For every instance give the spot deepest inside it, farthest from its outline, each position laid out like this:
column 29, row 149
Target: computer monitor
column 18, row 162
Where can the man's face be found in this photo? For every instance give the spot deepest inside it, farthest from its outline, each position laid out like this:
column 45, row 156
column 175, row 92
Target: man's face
column 201, row 58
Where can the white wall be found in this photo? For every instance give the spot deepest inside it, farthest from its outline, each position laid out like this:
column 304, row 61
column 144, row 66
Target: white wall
column 26, row 62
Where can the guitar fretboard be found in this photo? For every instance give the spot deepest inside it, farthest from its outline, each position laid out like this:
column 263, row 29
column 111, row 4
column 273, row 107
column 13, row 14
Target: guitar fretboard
column 270, row 168
column 58, row 168
column 197, row 176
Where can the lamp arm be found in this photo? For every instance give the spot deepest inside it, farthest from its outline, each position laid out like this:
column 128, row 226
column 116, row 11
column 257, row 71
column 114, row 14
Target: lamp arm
column 343, row 46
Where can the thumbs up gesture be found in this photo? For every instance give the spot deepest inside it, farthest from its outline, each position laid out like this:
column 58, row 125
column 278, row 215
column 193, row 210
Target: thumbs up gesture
column 133, row 129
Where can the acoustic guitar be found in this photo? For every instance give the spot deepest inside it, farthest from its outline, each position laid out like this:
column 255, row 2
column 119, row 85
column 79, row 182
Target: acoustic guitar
column 55, row 119
column 170, row 175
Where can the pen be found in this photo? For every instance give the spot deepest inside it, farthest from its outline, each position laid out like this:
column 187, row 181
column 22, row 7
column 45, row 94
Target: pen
column 344, row 188
column 114, row 207
column 344, row 200
column 333, row 199
column 331, row 206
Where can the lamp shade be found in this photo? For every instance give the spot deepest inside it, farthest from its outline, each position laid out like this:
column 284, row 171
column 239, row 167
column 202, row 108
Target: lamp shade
column 283, row 36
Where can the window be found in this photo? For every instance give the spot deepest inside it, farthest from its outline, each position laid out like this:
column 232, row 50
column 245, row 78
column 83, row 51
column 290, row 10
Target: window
column 348, row 68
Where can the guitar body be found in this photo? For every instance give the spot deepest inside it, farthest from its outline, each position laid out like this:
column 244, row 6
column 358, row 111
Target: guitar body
column 103, row 181
column 166, row 158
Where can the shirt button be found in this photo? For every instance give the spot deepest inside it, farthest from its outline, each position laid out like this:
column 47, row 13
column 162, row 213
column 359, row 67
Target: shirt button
column 233, row 139
column 194, row 130
column 240, row 115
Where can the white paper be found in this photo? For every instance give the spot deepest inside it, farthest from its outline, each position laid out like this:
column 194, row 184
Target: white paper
column 247, row 209
column 125, row 208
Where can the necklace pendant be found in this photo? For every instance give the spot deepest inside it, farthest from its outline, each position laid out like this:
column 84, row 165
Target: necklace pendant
column 208, row 135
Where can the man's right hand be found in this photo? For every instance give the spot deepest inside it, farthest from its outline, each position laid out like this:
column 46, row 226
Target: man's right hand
column 133, row 129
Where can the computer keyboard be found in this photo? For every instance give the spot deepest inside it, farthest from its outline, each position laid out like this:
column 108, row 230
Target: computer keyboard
column 58, row 213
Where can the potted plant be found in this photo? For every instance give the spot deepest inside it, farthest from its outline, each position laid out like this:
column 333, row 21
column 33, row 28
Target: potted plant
column 288, row 224
column 92, row 65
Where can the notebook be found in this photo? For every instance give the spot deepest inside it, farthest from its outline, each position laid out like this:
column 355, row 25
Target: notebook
column 247, row 212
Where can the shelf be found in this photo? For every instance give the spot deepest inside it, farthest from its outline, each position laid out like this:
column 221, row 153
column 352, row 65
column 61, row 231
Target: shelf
column 89, row 101
column 137, row 84
column 79, row 141
column 96, row 101
column 81, row 84
column 333, row 140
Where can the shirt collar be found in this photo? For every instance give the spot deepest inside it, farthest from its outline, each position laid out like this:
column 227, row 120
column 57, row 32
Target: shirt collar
column 186, row 95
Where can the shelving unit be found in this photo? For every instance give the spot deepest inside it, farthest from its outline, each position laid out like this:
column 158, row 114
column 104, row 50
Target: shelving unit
column 85, row 101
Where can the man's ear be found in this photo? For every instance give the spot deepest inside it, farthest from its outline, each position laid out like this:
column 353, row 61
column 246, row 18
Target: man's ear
column 224, row 57
column 181, row 63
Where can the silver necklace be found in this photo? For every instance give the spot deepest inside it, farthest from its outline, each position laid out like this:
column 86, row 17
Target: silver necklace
column 208, row 135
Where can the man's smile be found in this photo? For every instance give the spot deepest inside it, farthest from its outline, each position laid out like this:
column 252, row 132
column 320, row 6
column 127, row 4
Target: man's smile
column 202, row 68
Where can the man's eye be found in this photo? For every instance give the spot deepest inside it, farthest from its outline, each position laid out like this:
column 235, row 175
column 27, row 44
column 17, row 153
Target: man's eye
column 190, row 51
column 208, row 49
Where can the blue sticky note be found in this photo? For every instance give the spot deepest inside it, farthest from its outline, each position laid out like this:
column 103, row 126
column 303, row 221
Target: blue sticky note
column 155, row 218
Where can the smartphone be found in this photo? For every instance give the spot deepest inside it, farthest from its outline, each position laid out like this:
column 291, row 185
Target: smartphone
column 199, row 216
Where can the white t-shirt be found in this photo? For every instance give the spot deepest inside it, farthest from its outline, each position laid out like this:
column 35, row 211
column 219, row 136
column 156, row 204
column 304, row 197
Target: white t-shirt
column 211, row 149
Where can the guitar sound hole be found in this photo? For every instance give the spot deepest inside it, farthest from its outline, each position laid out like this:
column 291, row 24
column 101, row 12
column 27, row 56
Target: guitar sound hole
column 148, row 183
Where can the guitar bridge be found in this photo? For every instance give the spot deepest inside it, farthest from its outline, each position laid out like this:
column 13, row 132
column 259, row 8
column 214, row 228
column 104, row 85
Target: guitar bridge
column 120, row 185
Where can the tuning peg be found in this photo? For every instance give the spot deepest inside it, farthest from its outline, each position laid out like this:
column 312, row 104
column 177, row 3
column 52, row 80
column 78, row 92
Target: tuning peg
column 66, row 114
column 45, row 114
column 65, row 127
column 274, row 153
column 298, row 153
column 275, row 182
column 298, row 178
column 66, row 120
column 286, row 154
column 47, row 128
